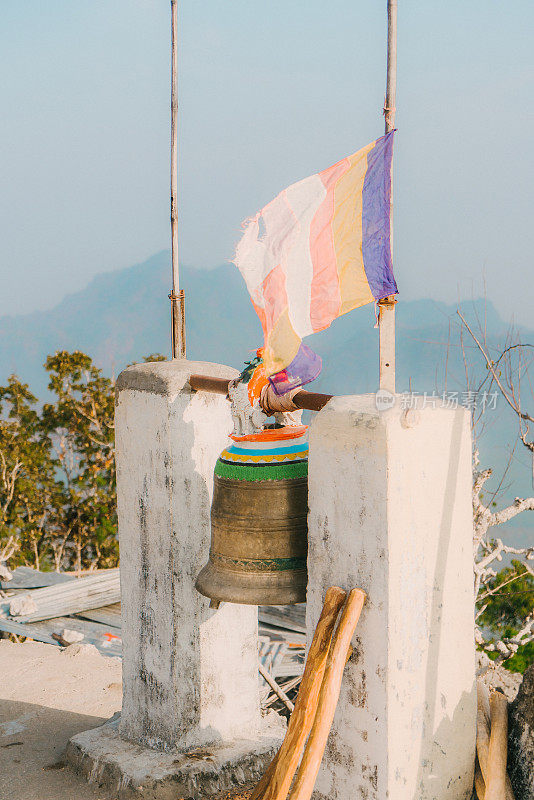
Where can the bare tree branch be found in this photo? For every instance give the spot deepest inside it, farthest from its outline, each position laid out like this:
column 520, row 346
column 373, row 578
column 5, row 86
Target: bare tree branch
column 511, row 402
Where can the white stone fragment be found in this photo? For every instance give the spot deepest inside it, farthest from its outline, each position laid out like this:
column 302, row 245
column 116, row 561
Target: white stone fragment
column 78, row 650
column 21, row 605
column 71, row 636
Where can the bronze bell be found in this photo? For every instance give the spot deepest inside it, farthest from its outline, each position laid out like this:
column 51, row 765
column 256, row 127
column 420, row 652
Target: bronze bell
column 259, row 529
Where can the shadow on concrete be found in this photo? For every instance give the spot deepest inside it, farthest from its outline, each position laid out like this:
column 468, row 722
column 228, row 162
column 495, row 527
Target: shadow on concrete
column 449, row 727
column 33, row 739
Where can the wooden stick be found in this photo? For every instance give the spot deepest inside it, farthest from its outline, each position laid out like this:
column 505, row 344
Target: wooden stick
column 275, row 783
column 483, row 736
column 483, row 727
column 276, row 689
column 328, row 697
column 498, row 748
column 480, row 786
column 285, row 687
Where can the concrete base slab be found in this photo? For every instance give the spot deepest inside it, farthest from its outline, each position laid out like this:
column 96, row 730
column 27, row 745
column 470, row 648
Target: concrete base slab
column 203, row 773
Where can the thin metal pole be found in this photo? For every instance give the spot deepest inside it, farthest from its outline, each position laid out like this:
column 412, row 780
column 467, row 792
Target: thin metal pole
column 386, row 314
column 391, row 86
column 176, row 296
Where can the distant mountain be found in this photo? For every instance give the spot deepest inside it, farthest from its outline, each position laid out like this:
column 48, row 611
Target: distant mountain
column 124, row 315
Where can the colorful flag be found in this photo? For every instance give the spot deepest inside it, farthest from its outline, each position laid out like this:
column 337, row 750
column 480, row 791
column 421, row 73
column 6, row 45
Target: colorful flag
column 318, row 250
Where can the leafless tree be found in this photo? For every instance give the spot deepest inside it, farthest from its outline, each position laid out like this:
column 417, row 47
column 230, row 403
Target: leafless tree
column 507, row 373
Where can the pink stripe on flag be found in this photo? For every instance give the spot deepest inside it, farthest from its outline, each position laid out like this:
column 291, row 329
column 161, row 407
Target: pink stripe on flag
column 275, row 296
column 331, row 175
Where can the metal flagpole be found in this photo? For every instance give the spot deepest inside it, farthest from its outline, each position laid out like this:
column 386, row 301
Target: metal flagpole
column 177, row 296
column 386, row 313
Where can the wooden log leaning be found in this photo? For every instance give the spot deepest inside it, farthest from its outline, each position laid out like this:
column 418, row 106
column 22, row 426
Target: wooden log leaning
column 480, row 786
column 483, row 744
column 328, row 697
column 498, row 748
column 483, row 736
column 275, row 783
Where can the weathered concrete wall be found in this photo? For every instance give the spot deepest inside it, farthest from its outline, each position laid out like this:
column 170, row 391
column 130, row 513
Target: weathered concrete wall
column 390, row 511
column 190, row 673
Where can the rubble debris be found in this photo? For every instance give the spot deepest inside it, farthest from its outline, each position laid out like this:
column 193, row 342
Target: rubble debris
column 29, row 578
column 288, row 618
column 69, row 597
column 80, row 605
column 495, row 676
column 105, row 638
column 80, row 649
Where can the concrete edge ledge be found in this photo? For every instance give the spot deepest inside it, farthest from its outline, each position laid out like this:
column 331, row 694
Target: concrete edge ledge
column 132, row 771
column 167, row 377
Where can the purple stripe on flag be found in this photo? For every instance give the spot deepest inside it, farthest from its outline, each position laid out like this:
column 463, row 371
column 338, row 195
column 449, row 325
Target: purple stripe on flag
column 304, row 368
column 376, row 209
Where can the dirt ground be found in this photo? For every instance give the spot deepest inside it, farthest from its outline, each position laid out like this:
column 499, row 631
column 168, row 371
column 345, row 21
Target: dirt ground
column 46, row 696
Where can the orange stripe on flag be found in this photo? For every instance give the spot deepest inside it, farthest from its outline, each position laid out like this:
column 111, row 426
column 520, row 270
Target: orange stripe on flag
column 347, row 232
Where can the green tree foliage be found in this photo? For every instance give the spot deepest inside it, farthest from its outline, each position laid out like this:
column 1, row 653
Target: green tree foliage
column 511, row 596
column 506, row 602
column 522, row 659
column 79, row 424
column 57, row 479
column 29, row 492
column 154, row 357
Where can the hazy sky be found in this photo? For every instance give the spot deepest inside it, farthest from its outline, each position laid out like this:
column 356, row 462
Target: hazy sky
column 270, row 92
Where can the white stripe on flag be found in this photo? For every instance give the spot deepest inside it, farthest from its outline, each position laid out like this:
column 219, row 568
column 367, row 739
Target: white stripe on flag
column 258, row 253
column 305, row 198
column 249, row 257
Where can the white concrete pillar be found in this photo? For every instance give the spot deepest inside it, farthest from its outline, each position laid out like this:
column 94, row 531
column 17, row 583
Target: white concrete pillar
column 189, row 672
column 390, row 511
